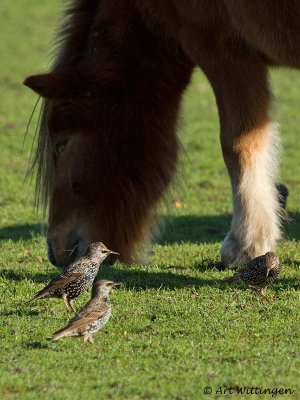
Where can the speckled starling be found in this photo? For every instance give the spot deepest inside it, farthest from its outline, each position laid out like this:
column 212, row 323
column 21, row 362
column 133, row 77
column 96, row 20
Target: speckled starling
column 92, row 317
column 77, row 277
column 259, row 272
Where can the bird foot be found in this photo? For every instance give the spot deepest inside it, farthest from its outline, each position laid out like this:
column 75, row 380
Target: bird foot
column 71, row 305
column 65, row 303
column 260, row 292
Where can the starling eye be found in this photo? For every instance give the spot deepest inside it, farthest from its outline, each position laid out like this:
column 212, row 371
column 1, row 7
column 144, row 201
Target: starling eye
column 60, row 146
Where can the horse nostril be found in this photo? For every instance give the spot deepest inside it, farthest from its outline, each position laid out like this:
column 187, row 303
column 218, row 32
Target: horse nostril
column 72, row 253
column 62, row 253
column 50, row 254
column 59, row 255
column 73, row 246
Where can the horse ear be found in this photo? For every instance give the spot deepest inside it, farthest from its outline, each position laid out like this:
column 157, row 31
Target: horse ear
column 55, row 84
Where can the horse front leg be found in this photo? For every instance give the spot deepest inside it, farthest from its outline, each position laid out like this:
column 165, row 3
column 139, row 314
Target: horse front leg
column 250, row 144
column 251, row 161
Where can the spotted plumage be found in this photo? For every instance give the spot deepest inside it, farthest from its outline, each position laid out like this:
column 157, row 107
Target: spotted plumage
column 92, row 317
column 259, row 272
column 77, row 277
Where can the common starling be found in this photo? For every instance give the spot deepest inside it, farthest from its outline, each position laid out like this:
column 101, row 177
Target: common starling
column 77, row 277
column 259, row 272
column 92, row 317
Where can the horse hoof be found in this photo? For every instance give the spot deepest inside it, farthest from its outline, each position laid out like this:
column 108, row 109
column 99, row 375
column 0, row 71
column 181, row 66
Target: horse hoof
column 231, row 254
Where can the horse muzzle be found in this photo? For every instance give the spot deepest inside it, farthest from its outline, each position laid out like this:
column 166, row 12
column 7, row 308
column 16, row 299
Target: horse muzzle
column 62, row 253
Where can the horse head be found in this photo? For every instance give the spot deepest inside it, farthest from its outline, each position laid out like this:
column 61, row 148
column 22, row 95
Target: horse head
column 80, row 184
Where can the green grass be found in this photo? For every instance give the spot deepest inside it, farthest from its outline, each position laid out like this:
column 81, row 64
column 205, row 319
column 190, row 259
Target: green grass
column 176, row 326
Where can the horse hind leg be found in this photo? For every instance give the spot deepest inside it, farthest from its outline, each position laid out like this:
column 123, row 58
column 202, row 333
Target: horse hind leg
column 273, row 27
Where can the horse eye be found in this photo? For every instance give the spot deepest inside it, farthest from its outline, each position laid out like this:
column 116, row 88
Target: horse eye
column 60, row 146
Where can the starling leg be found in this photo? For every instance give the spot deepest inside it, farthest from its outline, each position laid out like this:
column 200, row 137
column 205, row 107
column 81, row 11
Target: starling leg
column 90, row 340
column 65, row 303
column 84, row 340
column 265, row 297
column 259, row 292
column 71, row 305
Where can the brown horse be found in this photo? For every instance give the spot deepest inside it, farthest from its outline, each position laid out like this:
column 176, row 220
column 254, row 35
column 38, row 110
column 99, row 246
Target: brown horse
column 107, row 148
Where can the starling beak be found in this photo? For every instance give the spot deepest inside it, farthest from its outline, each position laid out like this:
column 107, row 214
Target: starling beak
column 93, row 316
column 77, row 277
column 259, row 272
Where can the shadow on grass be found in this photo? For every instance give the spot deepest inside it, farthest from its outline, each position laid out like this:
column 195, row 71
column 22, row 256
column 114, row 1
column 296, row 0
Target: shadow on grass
column 140, row 279
column 174, row 229
column 289, row 260
column 133, row 278
column 20, row 312
column 193, row 228
column 22, row 232
column 38, row 278
column 198, row 229
column 37, row 345
column 292, row 227
column 284, row 283
column 203, row 266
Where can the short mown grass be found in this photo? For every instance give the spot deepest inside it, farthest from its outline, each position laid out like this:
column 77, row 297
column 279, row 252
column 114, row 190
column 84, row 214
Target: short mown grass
column 176, row 326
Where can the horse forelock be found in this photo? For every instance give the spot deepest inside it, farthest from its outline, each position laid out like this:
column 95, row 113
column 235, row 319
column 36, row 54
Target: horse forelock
column 70, row 43
column 42, row 162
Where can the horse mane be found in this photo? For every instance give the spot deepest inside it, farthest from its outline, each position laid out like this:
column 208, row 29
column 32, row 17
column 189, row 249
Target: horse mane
column 70, row 42
column 138, row 181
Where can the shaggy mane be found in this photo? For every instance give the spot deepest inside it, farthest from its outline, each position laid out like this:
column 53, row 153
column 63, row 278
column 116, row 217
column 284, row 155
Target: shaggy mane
column 70, row 44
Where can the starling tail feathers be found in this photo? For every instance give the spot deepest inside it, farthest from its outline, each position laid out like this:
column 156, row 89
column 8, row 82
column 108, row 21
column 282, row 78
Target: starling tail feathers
column 39, row 295
column 231, row 279
column 59, row 334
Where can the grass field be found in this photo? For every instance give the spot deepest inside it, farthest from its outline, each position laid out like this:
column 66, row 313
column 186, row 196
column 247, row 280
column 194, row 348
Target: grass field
column 176, row 327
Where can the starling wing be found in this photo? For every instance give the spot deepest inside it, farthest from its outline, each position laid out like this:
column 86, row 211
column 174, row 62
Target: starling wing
column 85, row 317
column 59, row 281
